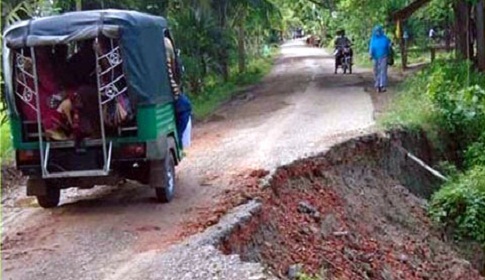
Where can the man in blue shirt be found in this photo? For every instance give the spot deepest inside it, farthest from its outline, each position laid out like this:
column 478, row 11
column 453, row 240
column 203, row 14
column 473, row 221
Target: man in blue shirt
column 379, row 51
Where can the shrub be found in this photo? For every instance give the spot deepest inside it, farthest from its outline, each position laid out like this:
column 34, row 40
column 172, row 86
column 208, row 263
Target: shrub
column 460, row 205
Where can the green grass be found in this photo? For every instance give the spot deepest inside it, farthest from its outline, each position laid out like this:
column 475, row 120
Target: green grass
column 410, row 109
column 217, row 92
column 6, row 151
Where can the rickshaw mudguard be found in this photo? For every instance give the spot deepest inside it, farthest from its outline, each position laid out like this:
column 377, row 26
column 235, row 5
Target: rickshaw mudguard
column 157, row 149
column 156, row 125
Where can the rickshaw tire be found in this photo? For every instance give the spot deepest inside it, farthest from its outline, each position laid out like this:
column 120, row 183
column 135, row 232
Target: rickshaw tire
column 50, row 199
column 165, row 189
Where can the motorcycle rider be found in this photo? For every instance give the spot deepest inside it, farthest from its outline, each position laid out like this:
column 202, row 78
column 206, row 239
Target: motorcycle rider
column 341, row 39
column 340, row 42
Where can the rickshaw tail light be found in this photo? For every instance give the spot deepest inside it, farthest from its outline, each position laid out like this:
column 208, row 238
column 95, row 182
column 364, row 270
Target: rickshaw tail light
column 28, row 157
column 133, row 150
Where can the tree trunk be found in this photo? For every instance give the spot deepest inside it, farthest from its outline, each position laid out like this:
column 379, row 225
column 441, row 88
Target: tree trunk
column 220, row 6
column 241, row 46
column 448, row 33
column 79, row 5
column 480, row 27
column 462, row 16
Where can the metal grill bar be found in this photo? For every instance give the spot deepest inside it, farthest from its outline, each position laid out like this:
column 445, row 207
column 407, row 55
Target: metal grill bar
column 100, row 107
column 109, row 53
column 28, row 94
column 26, row 73
column 39, row 115
column 121, row 77
column 114, row 96
column 111, row 68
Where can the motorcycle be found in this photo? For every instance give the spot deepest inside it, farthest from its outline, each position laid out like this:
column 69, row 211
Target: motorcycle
column 343, row 58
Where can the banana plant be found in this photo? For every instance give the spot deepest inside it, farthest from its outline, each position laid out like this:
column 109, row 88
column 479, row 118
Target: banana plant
column 13, row 11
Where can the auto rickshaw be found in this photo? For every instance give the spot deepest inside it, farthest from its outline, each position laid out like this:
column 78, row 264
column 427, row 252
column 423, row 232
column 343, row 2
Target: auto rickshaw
column 90, row 102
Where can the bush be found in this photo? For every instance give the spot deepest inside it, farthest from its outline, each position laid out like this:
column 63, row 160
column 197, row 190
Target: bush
column 456, row 93
column 474, row 154
column 5, row 142
column 460, row 205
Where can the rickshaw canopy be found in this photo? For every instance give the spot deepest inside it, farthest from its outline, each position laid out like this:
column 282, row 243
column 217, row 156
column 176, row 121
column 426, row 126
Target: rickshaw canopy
column 141, row 39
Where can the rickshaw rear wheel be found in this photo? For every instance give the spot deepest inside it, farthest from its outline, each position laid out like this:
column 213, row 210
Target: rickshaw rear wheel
column 165, row 188
column 161, row 173
column 51, row 198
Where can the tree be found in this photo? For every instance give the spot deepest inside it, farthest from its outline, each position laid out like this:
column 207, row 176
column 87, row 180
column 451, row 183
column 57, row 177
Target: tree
column 259, row 9
column 480, row 22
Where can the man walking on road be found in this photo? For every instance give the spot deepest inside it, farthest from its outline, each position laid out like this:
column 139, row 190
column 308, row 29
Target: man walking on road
column 379, row 50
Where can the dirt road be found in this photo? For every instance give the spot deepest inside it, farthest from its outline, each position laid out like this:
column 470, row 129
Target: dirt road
column 300, row 108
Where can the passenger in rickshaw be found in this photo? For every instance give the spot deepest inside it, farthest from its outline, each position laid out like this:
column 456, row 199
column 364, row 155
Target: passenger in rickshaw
column 67, row 90
column 55, row 123
column 80, row 93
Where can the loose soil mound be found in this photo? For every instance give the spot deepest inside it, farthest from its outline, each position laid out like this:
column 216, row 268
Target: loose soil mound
column 346, row 215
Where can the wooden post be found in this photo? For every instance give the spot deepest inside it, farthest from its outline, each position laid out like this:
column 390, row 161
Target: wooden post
column 447, row 37
column 402, row 44
column 433, row 53
column 480, row 22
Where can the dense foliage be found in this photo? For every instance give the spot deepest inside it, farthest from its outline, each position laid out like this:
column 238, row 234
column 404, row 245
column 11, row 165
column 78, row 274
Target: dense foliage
column 459, row 206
